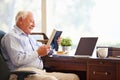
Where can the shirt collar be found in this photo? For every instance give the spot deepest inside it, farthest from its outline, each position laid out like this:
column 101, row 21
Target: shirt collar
column 19, row 31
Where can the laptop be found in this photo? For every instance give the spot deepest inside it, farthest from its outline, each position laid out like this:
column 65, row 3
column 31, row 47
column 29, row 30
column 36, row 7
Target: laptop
column 85, row 47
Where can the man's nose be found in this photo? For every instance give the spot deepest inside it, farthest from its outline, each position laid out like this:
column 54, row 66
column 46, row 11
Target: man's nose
column 32, row 24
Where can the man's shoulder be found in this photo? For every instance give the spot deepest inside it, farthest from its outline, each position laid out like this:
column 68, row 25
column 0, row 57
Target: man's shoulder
column 11, row 35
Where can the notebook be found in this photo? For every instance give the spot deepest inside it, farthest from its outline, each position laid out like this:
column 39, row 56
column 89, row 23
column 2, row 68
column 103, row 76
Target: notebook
column 85, row 47
column 54, row 36
column 53, row 39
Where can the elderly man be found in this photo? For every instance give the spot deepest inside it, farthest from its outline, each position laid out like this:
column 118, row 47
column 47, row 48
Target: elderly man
column 24, row 53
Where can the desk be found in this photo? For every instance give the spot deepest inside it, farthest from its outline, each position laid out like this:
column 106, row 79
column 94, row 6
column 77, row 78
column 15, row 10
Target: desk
column 85, row 68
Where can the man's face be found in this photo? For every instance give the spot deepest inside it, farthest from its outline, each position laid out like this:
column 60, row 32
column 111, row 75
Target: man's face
column 28, row 24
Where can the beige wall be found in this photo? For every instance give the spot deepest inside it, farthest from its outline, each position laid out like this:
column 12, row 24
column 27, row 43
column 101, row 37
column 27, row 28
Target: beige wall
column 43, row 16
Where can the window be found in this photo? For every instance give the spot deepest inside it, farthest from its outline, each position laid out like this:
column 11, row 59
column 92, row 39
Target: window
column 78, row 18
column 9, row 8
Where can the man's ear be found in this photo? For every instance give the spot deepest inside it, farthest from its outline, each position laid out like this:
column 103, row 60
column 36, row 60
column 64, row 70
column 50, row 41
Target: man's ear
column 20, row 19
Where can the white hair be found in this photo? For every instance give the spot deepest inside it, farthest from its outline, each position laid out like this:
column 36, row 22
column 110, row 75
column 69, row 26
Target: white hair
column 22, row 14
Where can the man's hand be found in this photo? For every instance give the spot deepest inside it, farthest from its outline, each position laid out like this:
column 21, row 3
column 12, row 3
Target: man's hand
column 43, row 50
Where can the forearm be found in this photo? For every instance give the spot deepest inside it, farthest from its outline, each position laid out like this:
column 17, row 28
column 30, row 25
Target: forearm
column 20, row 58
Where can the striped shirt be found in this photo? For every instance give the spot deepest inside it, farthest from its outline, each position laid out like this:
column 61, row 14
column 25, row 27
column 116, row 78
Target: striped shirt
column 20, row 50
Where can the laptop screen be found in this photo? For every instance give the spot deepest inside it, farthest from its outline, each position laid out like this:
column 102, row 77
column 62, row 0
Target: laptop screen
column 86, row 46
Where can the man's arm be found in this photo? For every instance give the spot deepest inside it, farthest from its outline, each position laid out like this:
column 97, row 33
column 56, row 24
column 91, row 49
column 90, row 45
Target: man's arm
column 16, row 50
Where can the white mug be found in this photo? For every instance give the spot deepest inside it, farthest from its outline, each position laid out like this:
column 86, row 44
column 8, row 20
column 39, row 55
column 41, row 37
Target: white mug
column 102, row 52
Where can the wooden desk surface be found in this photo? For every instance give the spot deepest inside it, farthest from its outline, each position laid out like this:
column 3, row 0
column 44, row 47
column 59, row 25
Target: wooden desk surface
column 109, row 67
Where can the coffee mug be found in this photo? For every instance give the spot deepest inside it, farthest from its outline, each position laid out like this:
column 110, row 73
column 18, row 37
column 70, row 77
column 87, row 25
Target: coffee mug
column 102, row 52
